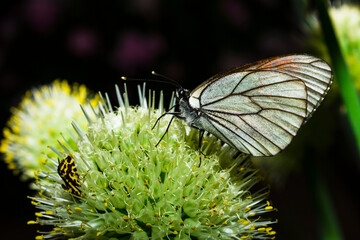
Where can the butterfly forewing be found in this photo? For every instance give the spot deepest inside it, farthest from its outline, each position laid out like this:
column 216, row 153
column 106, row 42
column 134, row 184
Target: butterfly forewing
column 258, row 108
column 314, row 72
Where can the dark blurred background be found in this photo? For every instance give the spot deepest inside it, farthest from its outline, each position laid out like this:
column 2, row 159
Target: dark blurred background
column 96, row 43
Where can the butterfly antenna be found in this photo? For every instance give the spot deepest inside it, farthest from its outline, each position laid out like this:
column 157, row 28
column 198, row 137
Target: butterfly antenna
column 174, row 82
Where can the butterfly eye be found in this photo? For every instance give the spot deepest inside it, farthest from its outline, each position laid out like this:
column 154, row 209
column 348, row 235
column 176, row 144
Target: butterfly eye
column 184, row 93
column 180, row 92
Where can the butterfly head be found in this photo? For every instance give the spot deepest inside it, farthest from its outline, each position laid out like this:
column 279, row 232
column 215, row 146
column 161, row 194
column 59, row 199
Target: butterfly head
column 182, row 94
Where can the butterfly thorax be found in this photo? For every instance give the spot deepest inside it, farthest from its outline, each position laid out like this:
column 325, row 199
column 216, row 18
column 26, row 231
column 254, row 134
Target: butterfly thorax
column 187, row 112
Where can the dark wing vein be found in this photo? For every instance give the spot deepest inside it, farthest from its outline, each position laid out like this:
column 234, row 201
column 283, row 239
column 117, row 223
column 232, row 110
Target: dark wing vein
column 275, row 123
column 223, row 135
column 300, row 74
column 209, row 111
column 266, row 85
column 244, row 93
column 260, row 134
column 236, row 127
column 232, row 92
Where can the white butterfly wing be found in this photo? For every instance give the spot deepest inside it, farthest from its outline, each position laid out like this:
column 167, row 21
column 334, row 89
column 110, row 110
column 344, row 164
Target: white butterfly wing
column 314, row 72
column 258, row 108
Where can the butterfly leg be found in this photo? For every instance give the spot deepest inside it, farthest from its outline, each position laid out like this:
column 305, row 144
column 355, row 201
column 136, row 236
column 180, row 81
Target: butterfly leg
column 162, row 115
column 167, row 129
column 157, row 120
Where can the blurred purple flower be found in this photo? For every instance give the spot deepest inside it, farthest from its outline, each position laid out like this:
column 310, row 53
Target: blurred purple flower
column 134, row 50
column 82, row 42
column 275, row 42
column 42, row 14
column 147, row 8
column 236, row 12
column 175, row 70
column 230, row 60
column 8, row 28
column 9, row 81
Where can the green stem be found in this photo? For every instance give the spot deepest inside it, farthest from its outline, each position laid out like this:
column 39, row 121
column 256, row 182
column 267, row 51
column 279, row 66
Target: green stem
column 341, row 72
column 327, row 217
column 330, row 229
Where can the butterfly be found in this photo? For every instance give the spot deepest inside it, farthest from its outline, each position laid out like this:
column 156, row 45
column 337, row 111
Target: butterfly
column 257, row 108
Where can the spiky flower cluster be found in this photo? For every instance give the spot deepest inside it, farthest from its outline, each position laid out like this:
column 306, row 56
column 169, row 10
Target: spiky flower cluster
column 39, row 120
column 118, row 185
